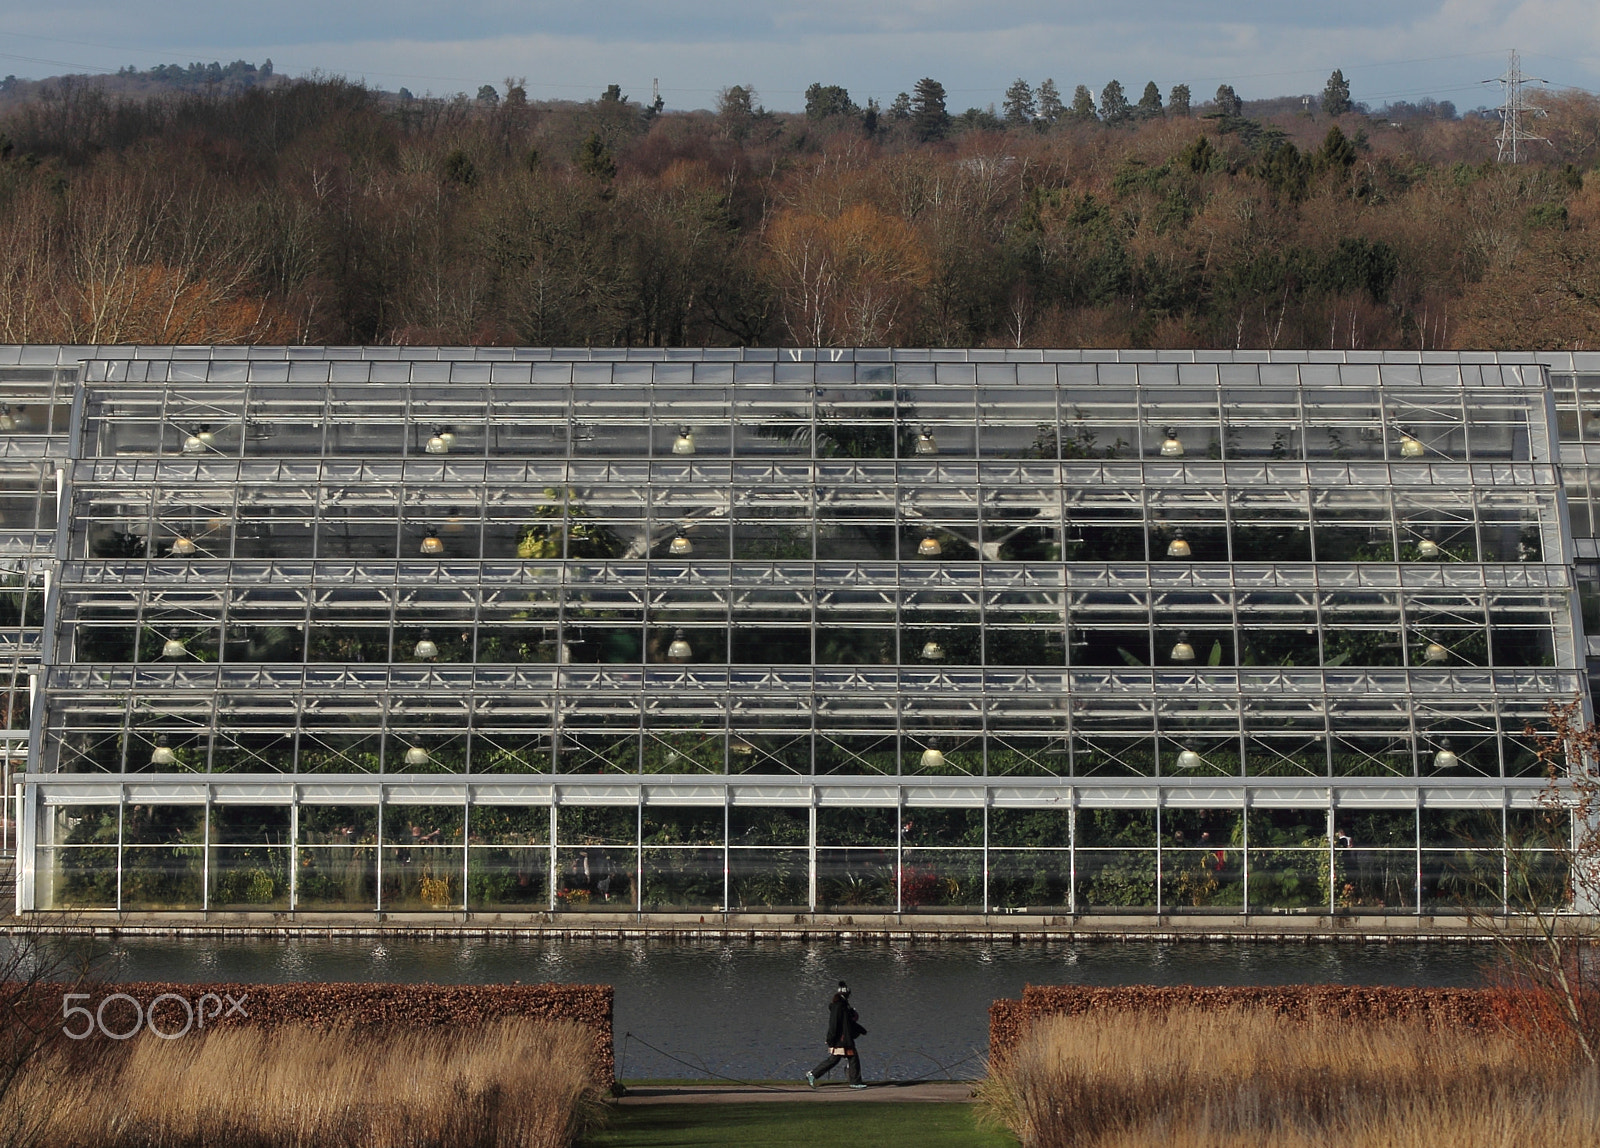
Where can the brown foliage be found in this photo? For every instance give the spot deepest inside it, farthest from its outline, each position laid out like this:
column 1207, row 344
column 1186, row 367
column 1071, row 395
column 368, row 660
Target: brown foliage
column 511, row 1083
column 1246, row 1078
column 322, row 212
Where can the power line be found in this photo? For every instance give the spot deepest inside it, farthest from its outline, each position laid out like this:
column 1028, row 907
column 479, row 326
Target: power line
column 1512, row 134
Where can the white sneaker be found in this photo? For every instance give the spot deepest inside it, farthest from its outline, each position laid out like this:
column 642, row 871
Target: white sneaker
column 811, row 1079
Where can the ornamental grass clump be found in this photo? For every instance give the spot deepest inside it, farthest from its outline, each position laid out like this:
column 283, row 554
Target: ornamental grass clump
column 513, row 1083
column 1242, row 1079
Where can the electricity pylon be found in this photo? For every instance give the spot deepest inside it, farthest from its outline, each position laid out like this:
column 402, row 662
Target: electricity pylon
column 1512, row 134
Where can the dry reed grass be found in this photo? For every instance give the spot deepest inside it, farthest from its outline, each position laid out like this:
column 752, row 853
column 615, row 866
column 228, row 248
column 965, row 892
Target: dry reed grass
column 1237, row 1079
column 514, row 1083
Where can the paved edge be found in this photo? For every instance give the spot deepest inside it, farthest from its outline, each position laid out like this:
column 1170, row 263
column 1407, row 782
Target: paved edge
column 923, row 1092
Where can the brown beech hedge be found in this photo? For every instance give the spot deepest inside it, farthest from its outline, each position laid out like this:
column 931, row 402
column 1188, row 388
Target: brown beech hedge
column 1469, row 1008
column 391, row 1006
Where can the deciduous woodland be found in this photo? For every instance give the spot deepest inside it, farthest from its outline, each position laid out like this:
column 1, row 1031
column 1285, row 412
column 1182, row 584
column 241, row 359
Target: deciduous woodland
column 322, row 212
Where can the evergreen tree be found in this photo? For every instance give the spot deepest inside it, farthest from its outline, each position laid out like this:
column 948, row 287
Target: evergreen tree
column 824, row 100
column 900, row 110
column 487, row 95
column 1150, row 103
column 1178, row 101
column 1083, row 104
column 1336, row 96
column 1114, row 107
column 594, row 158
column 1228, row 101
column 929, row 119
column 1337, row 154
column 1019, row 104
column 1049, row 102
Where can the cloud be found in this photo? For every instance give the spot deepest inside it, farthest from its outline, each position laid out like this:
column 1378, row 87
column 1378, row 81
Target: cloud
column 1400, row 49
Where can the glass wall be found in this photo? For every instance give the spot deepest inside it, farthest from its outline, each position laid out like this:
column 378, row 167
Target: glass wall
column 1161, row 588
column 910, row 859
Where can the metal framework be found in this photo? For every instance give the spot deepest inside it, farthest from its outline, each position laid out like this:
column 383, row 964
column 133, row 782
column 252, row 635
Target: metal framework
column 412, row 630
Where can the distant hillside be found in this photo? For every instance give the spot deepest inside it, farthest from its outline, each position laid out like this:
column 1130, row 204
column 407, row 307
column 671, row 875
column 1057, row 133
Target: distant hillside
column 166, row 206
column 239, row 76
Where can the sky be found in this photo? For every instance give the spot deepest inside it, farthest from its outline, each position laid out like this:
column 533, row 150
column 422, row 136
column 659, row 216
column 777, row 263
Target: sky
column 570, row 49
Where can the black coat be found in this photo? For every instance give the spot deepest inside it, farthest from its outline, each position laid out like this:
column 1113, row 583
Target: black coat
column 842, row 1025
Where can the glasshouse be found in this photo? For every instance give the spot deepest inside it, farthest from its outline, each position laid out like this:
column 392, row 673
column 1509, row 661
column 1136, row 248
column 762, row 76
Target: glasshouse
column 781, row 633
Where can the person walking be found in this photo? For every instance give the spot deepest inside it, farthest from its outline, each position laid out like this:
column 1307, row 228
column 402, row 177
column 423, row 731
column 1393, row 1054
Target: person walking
column 843, row 1028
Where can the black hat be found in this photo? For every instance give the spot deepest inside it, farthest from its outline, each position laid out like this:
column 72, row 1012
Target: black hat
column 844, row 988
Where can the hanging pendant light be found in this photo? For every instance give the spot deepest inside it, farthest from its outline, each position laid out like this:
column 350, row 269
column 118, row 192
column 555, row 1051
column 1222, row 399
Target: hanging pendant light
column 449, row 437
column 1189, row 759
column 926, row 444
column 1446, row 757
column 436, row 443
column 680, row 546
column 929, row 546
column 7, row 423
column 199, row 442
column 1182, row 651
column 684, row 443
column 1410, row 446
column 1172, row 445
column 679, row 650
column 173, row 649
column 183, row 547
column 1434, row 653
column 416, row 755
column 1428, row 548
column 739, row 747
column 932, row 651
column 20, row 420
column 426, row 649
column 1179, row 546
column 432, row 545
column 162, row 754
column 932, row 758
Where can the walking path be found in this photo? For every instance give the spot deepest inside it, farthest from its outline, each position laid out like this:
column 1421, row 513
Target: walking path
column 921, row 1092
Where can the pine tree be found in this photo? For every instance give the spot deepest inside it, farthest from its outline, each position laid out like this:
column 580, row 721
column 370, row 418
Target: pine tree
column 1083, row 105
column 1020, row 108
column 900, row 110
column 1178, row 101
column 1228, row 101
column 929, row 119
column 1114, row 107
column 1336, row 96
column 1150, row 103
column 1050, row 109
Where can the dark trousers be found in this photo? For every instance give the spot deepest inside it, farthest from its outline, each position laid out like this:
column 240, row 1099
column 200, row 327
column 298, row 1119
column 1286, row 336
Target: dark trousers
column 828, row 1064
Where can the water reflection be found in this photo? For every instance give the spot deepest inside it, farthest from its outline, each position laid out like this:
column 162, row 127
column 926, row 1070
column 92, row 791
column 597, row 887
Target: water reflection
column 756, row 1009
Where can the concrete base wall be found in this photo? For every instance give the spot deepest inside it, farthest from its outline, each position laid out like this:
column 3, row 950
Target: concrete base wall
column 819, row 926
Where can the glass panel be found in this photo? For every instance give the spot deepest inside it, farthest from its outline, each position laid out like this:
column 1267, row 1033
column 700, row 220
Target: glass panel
column 855, row 879
column 768, row 880
column 685, row 879
column 510, row 824
column 1288, row 881
column 508, row 878
column 422, row 878
column 942, row 880
column 1202, row 880
column 1375, row 880
column 78, row 877
column 594, row 880
column 155, row 877
column 1462, row 881
column 1034, row 880
column 337, row 879
column 253, row 878
column 1117, row 880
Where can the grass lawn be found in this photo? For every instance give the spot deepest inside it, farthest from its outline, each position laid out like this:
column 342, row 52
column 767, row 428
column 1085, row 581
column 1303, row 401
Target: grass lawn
column 778, row 1124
